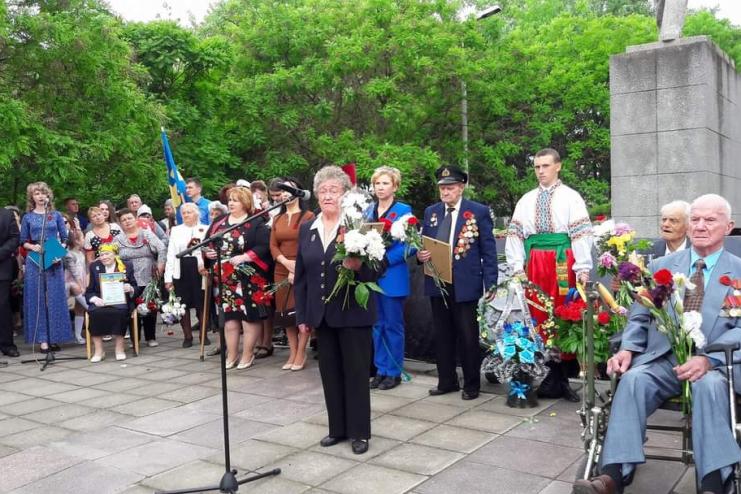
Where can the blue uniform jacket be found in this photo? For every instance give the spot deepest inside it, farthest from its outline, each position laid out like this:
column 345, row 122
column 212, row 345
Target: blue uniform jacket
column 475, row 269
column 395, row 281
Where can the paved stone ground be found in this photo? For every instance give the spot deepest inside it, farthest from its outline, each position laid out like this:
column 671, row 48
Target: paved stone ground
column 154, row 422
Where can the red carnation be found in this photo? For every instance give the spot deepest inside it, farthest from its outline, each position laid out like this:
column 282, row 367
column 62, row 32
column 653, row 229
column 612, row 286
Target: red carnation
column 600, row 218
column 258, row 280
column 725, row 280
column 139, row 300
column 468, row 215
column 663, row 277
column 603, row 318
column 386, row 224
column 392, row 216
column 239, row 301
column 227, row 269
column 412, row 220
column 235, row 233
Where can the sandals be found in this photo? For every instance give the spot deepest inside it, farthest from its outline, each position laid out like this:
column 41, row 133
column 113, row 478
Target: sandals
column 263, row 351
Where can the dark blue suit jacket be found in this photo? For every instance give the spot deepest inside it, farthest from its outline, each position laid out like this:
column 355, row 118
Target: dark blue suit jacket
column 314, row 279
column 475, row 271
column 93, row 288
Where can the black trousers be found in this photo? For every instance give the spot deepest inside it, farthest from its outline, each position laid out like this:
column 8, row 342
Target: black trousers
column 6, row 316
column 344, row 363
column 455, row 324
column 149, row 322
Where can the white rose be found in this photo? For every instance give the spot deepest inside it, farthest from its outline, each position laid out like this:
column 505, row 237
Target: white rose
column 355, row 242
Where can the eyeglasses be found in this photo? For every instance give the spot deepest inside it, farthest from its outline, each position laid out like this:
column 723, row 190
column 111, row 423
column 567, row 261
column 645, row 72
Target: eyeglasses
column 331, row 191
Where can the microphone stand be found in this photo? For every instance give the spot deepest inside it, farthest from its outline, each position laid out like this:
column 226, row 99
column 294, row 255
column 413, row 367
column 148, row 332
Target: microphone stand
column 50, row 358
column 229, row 483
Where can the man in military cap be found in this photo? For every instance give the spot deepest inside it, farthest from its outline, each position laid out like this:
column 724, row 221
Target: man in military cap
column 549, row 240
column 467, row 227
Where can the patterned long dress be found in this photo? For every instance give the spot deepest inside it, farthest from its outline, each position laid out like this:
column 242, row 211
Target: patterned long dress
column 34, row 299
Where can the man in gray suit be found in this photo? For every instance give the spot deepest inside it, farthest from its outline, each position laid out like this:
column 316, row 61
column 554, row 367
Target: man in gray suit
column 651, row 376
column 674, row 224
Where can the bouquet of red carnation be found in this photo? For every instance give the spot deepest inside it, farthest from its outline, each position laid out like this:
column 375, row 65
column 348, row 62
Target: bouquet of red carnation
column 571, row 318
column 150, row 300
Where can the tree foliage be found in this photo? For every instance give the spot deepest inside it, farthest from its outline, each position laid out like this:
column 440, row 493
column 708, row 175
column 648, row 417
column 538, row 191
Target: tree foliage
column 266, row 88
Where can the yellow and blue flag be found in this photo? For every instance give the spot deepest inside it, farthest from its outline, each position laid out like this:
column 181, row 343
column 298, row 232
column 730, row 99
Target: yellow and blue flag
column 174, row 179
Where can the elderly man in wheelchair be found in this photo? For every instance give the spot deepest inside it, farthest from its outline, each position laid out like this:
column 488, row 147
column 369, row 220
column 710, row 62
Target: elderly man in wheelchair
column 650, row 376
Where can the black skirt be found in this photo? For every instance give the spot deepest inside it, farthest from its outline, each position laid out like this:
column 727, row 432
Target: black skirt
column 188, row 287
column 108, row 320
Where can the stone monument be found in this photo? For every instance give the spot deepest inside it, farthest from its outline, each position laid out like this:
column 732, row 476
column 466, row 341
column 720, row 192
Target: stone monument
column 675, row 125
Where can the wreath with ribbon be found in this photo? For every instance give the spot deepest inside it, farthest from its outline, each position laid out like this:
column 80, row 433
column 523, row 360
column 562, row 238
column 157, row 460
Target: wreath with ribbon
column 510, row 335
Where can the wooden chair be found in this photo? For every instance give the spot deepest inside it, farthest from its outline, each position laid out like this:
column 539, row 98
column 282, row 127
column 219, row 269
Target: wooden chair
column 134, row 330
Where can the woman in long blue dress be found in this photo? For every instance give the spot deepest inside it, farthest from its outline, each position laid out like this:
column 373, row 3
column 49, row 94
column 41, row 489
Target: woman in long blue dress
column 39, row 199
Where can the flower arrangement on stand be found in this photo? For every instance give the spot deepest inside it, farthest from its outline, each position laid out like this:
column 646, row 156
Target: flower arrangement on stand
column 515, row 350
column 616, row 243
column 357, row 241
column 406, row 230
column 662, row 294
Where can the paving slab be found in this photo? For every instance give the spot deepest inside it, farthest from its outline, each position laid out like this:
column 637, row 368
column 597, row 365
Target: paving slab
column 367, row 478
column 386, row 403
column 254, row 455
column 83, row 478
column 35, row 437
column 556, row 429
column 454, row 399
column 424, row 410
column 10, row 397
column 544, row 459
column 145, row 406
column 406, row 390
column 401, row 428
column 155, row 457
column 29, row 406
column 416, row 458
column 280, row 411
column 558, row 487
column 189, row 394
column 211, row 434
column 376, row 446
column 475, row 478
column 58, row 414
column 277, row 485
column 111, row 399
column 190, row 475
column 483, row 420
column 100, row 443
column 120, row 384
column 454, row 438
column 81, row 395
column 32, row 464
column 312, row 468
column 169, row 422
column 96, row 420
column 299, row 435
column 498, row 404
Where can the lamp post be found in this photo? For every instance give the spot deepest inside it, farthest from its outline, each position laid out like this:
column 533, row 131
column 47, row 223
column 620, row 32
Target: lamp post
column 487, row 12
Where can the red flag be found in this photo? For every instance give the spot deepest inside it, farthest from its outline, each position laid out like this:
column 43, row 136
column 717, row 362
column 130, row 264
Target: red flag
column 349, row 169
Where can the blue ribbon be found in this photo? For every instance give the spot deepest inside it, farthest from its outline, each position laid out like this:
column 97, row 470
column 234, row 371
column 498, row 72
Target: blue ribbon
column 518, row 389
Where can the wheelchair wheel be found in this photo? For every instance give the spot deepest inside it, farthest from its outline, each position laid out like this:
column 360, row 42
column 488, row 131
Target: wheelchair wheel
column 581, row 467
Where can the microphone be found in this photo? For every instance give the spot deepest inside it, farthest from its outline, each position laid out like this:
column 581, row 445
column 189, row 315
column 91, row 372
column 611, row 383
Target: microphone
column 301, row 194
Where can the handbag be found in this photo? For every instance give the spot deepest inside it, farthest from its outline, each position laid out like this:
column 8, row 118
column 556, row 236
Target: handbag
column 285, row 318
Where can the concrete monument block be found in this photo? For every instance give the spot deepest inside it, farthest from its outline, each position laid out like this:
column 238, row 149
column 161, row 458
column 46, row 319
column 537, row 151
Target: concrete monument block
column 633, row 113
column 675, row 128
column 634, row 154
column 689, row 150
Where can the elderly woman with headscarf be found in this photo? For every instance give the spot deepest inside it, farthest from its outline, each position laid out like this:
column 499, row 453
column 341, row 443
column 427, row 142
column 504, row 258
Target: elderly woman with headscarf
column 344, row 332
column 185, row 275
column 105, row 319
column 147, row 255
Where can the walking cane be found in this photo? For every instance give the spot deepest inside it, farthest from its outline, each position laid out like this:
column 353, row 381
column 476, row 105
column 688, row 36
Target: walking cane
column 205, row 313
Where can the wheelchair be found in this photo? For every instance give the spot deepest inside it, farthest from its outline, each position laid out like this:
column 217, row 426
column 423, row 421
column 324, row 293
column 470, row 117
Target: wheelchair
column 595, row 409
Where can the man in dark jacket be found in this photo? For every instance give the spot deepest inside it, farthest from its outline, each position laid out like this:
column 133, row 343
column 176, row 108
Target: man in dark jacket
column 8, row 245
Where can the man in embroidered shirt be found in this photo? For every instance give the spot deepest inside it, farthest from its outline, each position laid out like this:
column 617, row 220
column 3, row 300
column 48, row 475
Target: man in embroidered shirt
column 467, row 227
column 650, row 374
column 550, row 241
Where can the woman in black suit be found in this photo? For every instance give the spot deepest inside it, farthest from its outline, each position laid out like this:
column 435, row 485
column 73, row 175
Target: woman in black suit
column 109, row 319
column 344, row 334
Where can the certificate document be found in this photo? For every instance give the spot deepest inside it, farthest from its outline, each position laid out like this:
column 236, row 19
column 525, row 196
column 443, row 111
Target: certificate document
column 112, row 288
column 441, row 259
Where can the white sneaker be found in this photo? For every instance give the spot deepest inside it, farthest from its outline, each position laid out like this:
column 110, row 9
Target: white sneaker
column 97, row 358
column 80, row 341
column 107, row 337
column 120, row 356
column 152, row 343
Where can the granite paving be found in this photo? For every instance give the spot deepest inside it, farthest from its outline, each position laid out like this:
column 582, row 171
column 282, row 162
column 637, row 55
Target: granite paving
column 154, row 423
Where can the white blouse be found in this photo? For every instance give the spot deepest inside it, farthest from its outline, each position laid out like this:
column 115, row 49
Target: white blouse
column 180, row 239
column 556, row 209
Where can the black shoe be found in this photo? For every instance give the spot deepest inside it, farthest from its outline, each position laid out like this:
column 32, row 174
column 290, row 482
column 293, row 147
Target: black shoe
column 359, row 446
column 469, row 395
column 55, row 348
column 438, row 391
column 187, row 342
column 11, row 351
column 330, row 441
column 389, row 382
column 376, row 381
column 206, row 341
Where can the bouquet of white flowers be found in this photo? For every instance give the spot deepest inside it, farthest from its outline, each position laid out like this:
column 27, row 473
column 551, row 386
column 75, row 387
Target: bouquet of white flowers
column 359, row 241
column 173, row 310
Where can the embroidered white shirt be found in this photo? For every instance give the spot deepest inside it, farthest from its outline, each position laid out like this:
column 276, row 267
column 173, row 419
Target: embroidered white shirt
column 180, row 237
column 556, row 209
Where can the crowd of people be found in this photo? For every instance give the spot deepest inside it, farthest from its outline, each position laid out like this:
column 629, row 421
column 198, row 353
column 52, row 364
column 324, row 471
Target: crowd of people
column 280, row 268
